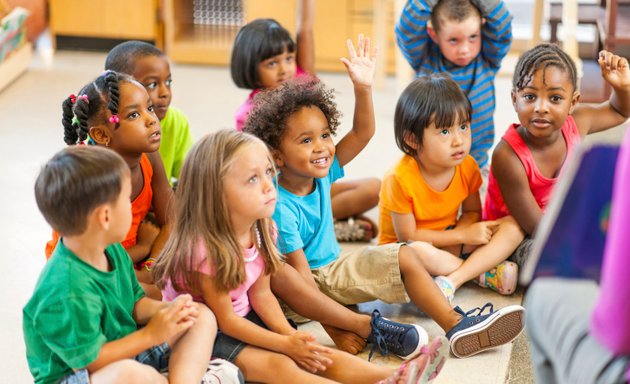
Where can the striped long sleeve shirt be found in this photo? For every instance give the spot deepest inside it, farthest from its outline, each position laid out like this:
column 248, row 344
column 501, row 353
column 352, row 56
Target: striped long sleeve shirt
column 477, row 78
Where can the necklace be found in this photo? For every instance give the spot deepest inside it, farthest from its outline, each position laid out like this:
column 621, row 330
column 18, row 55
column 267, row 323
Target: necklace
column 259, row 242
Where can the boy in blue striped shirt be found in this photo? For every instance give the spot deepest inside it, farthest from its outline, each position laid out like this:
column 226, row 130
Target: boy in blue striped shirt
column 468, row 39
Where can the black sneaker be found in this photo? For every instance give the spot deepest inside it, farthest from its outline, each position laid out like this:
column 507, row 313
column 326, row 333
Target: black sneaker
column 477, row 332
column 403, row 340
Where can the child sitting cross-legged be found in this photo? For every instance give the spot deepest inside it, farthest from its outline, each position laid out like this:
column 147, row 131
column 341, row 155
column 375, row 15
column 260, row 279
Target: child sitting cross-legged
column 422, row 194
column 297, row 121
column 81, row 324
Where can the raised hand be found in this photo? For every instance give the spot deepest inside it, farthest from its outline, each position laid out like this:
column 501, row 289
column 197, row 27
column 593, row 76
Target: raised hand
column 362, row 63
column 615, row 69
column 307, row 353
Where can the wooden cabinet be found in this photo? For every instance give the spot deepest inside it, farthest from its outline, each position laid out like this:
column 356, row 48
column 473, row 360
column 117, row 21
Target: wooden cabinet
column 336, row 20
column 111, row 19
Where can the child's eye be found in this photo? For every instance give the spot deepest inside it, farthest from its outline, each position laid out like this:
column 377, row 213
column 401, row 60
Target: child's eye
column 253, row 179
column 290, row 58
column 151, row 85
column 168, row 82
column 444, row 132
column 133, row 115
column 463, row 127
column 556, row 99
column 325, row 136
column 271, row 64
column 306, row 141
column 529, row 97
column 151, row 108
column 269, row 171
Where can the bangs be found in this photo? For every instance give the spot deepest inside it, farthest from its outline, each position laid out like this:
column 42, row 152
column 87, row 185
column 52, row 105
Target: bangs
column 276, row 41
column 451, row 112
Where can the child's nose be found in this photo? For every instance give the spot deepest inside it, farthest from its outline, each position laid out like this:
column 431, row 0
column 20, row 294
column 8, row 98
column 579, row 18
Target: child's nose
column 541, row 105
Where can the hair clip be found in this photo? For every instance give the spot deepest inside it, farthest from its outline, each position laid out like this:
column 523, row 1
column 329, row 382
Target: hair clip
column 84, row 98
column 114, row 119
column 73, row 98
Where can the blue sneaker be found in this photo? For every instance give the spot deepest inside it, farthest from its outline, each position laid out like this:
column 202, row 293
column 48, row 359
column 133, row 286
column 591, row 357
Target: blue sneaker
column 403, row 340
column 477, row 332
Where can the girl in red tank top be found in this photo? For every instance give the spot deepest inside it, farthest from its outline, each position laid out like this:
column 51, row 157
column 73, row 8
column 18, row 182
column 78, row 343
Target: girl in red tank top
column 115, row 111
column 531, row 156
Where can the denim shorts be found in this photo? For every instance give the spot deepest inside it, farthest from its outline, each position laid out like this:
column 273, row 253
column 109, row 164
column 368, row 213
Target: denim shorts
column 227, row 347
column 157, row 357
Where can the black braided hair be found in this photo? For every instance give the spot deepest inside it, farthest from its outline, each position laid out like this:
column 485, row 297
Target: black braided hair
column 542, row 56
column 88, row 107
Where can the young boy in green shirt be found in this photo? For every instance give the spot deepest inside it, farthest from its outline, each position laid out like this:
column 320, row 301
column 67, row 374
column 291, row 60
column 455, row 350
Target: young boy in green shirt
column 81, row 324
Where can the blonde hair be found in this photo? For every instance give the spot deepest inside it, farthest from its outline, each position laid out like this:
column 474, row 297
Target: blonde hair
column 202, row 214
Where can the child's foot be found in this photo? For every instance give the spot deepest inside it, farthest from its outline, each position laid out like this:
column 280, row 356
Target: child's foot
column 345, row 340
column 403, row 340
column 359, row 229
column 424, row 367
column 502, row 278
column 477, row 332
column 446, row 286
column 222, row 372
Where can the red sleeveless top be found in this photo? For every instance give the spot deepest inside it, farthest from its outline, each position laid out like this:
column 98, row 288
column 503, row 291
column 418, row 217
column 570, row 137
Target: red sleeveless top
column 539, row 185
column 140, row 206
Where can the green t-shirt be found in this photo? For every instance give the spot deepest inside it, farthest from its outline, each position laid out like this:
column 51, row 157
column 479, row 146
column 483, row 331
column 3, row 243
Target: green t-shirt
column 175, row 143
column 75, row 309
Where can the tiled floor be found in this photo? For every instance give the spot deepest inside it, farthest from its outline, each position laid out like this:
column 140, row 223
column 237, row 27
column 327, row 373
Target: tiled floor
column 30, row 132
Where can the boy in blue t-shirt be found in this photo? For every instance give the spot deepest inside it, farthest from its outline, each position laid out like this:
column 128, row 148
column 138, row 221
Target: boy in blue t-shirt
column 297, row 121
column 81, row 323
column 467, row 39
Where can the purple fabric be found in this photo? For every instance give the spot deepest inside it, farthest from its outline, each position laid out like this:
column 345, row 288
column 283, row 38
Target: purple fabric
column 610, row 321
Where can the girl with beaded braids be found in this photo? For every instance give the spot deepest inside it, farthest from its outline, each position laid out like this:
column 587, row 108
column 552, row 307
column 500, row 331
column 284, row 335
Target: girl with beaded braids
column 115, row 111
column 532, row 154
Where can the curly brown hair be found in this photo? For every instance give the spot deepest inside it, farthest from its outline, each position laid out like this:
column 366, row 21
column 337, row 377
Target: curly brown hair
column 272, row 108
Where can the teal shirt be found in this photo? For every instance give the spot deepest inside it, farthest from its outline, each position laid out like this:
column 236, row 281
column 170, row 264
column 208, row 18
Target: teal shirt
column 306, row 222
column 75, row 309
column 175, row 143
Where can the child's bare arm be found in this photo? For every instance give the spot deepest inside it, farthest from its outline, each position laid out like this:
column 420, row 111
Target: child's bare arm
column 471, row 211
column 411, row 31
column 615, row 111
column 305, row 38
column 514, row 186
column 242, row 329
column 361, row 67
column 167, row 322
column 297, row 259
column 474, row 234
column 163, row 196
column 496, row 31
column 147, row 234
column 267, row 307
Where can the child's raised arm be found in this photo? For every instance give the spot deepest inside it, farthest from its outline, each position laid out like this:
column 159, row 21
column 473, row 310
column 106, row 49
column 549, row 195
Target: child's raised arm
column 616, row 110
column 361, row 67
column 305, row 39
column 411, row 31
column 496, row 31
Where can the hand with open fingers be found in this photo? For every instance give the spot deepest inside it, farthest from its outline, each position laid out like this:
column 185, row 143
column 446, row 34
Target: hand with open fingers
column 361, row 65
column 479, row 233
column 615, row 69
column 307, row 352
column 172, row 320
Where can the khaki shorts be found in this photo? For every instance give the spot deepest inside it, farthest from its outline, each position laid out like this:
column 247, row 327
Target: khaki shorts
column 363, row 274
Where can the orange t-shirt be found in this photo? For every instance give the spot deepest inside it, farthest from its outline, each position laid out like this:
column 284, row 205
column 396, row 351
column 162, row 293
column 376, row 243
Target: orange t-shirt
column 140, row 206
column 404, row 191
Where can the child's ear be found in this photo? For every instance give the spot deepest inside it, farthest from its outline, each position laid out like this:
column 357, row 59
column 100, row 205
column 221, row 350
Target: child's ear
column 99, row 135
column 431, row 32
column 410, row 139
column 574, row 100
column 277, row 158
column 513, row 96
column 102, row 215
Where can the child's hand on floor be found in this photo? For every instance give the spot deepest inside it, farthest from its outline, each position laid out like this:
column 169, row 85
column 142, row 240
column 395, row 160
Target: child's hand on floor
column 308, row 353
column 172, row 320
column 614, row 69
column 362, row 64
column 479, row 233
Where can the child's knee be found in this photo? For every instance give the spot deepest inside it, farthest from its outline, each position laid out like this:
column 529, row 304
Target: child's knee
column 206, row 317
column 411, row 255
column 127, row 371
column 372, row 188
column 277, row 362
column 510, row 227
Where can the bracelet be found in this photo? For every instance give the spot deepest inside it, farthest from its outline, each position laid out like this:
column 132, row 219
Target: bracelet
column 148, row 263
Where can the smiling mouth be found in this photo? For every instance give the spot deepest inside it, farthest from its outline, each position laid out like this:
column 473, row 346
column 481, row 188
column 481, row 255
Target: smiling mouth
column 321, row 161
column 155, row 135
